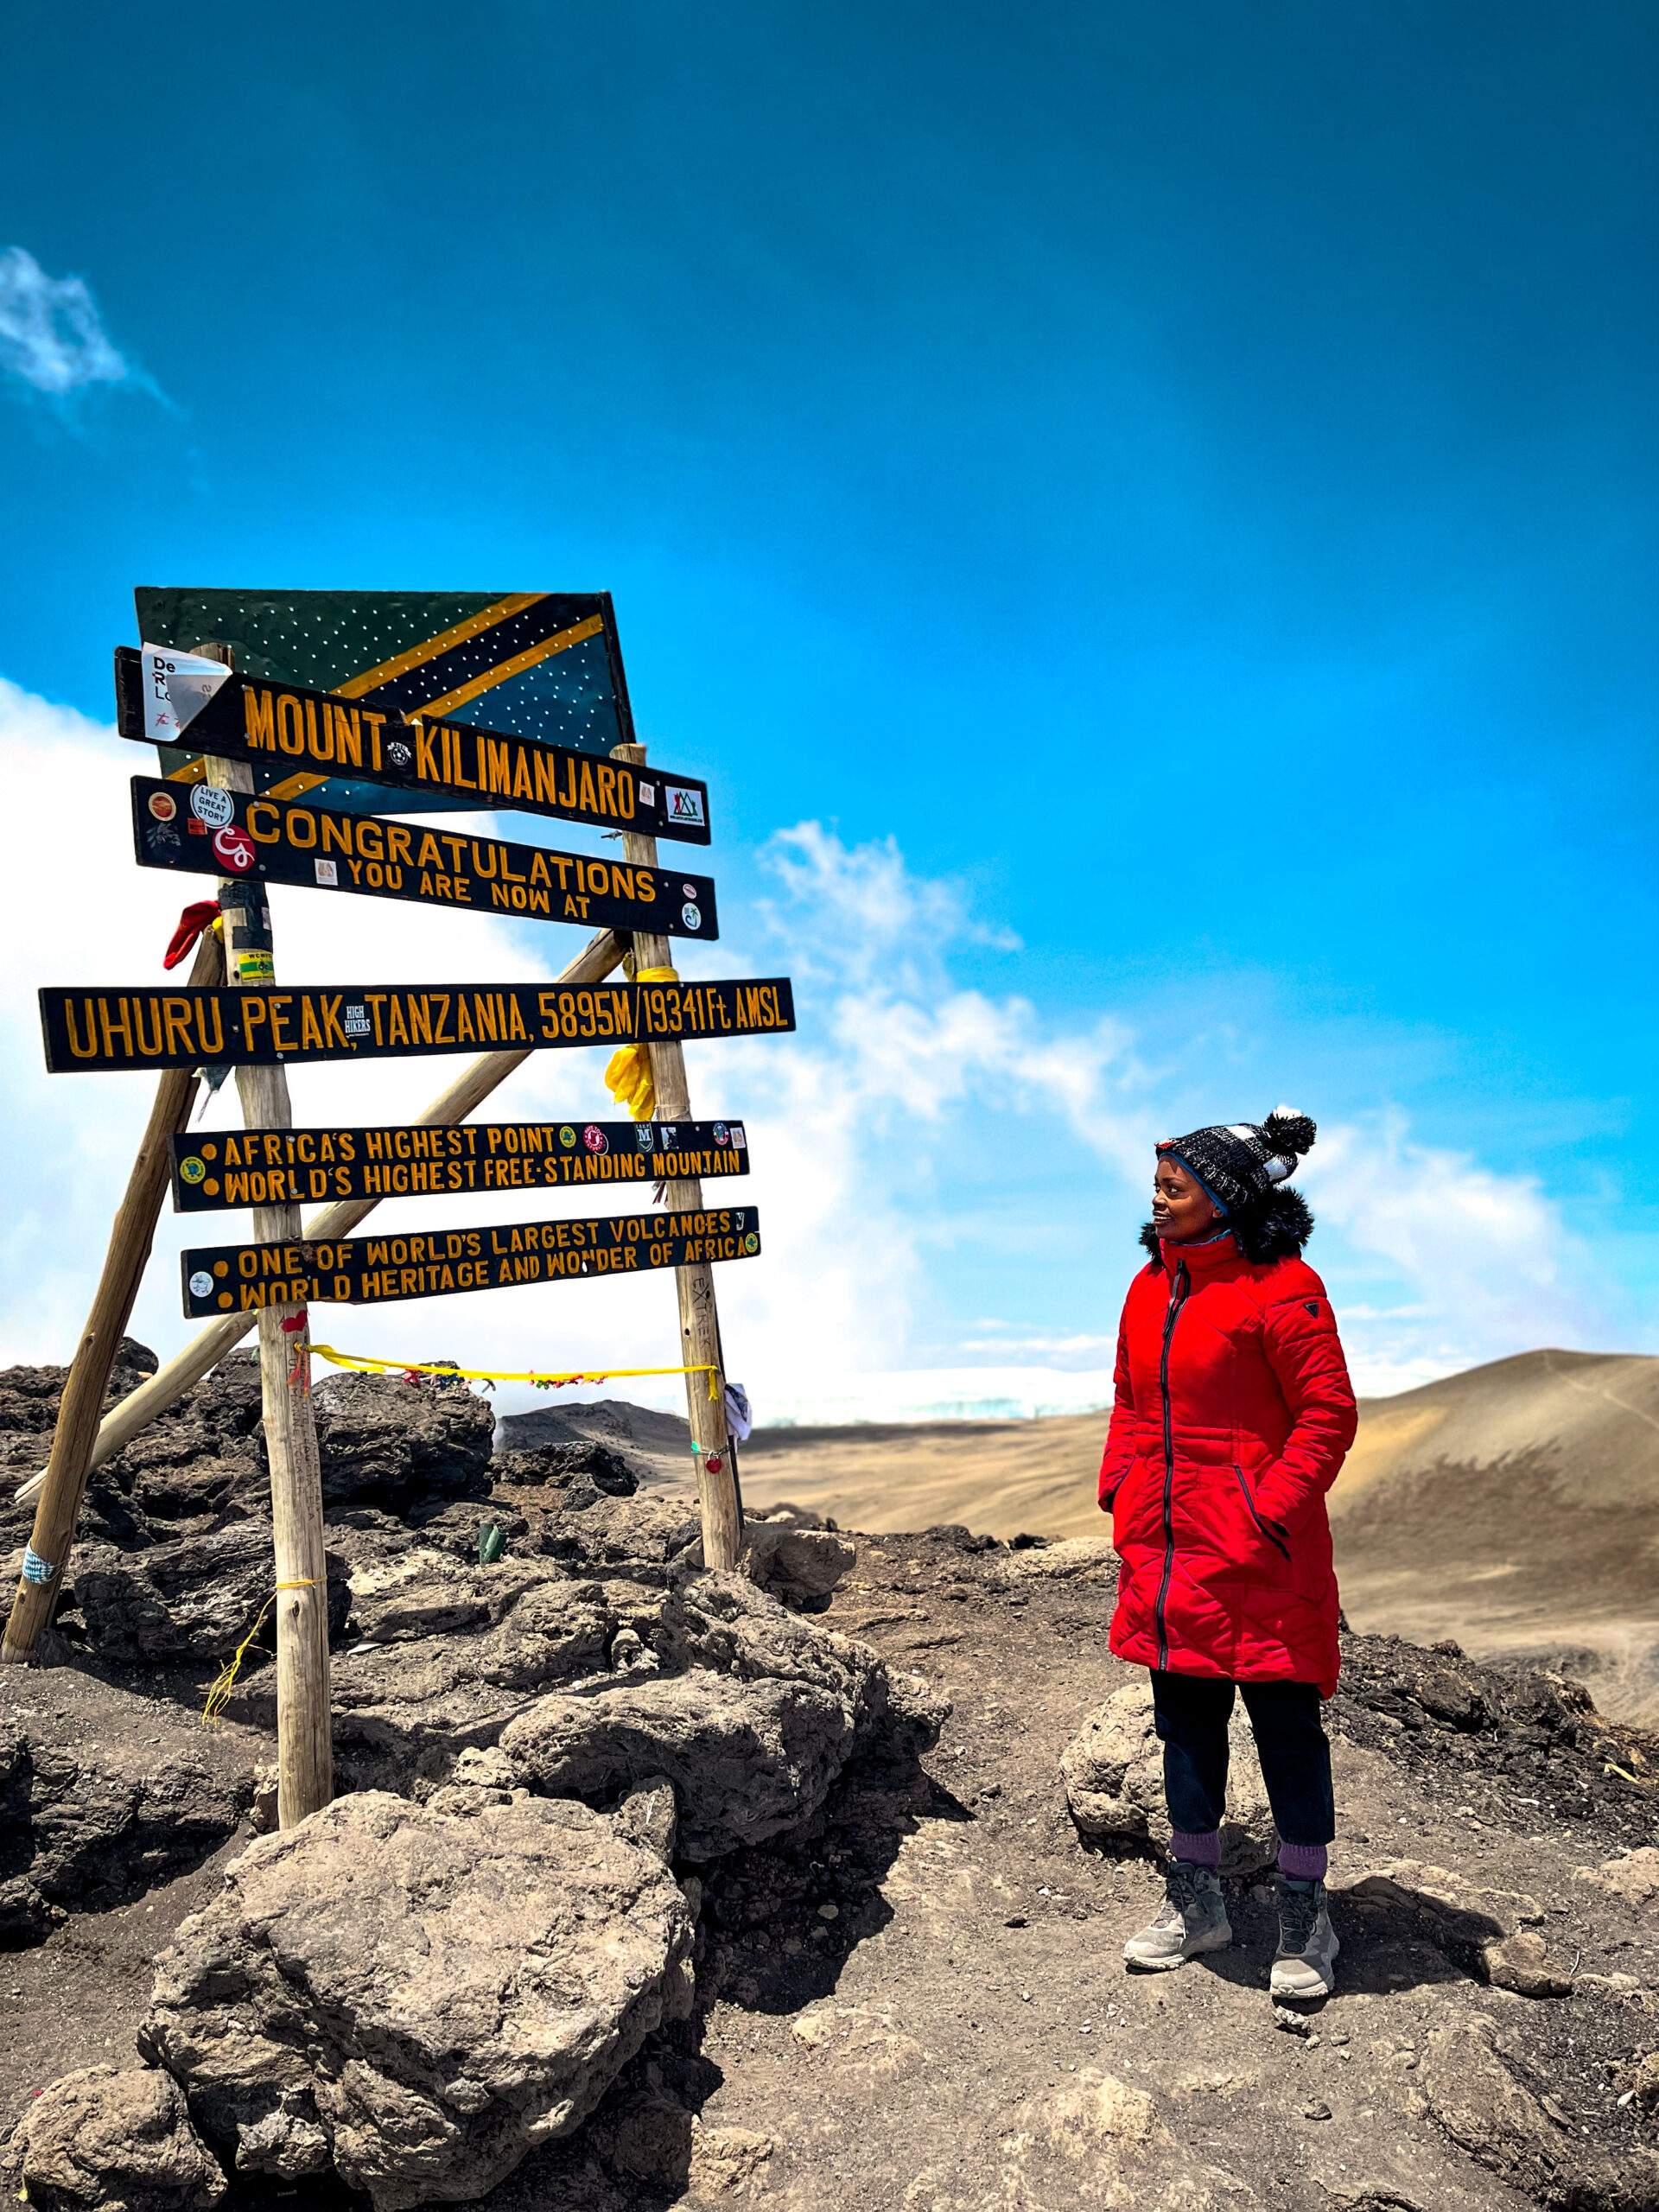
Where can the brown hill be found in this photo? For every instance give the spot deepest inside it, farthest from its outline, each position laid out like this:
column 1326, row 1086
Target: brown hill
column 1515, row 1507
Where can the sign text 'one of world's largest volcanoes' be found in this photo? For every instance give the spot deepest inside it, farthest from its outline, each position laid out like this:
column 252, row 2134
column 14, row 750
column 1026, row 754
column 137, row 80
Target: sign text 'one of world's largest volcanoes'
column 101, row 1031
column 434, row 1263
column 210, row 831
column 306, row 737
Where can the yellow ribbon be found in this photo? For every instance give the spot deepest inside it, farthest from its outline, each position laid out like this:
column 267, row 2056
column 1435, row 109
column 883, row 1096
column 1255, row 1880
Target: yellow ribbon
column 219, row 1696
column 627, row 1073
column 362, row 1366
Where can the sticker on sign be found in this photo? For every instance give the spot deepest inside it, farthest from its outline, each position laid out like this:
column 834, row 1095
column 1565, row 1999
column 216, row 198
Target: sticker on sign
column 213, row 807
column 683, row 805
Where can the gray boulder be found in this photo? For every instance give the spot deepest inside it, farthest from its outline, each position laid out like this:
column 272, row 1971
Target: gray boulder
column 91, row 1809
column 747, row 1759
column 388, row 1442
column 1113, row 1771
column 104, row 2140
column 800, row 1566
column 190, row 1601
column 418, row 1997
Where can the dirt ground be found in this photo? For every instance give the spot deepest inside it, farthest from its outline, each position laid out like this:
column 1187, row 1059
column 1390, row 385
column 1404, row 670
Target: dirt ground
column 921, row 2002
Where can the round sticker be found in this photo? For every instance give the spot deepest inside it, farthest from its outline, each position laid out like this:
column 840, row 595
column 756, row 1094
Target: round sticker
column 210, row 804
column 594, row 1138
column 192, row 1170
column 398, row 753
column 201, row 1284
column 692, row 917
column 690, row 889
column 163, row 805
column 751, row 1242
column 567, row 1135
column 234, row 849
column 721, row 1134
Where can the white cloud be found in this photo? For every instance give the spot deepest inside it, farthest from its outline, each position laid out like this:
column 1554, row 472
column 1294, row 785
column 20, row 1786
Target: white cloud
column 51, row 335
column 858, row 1127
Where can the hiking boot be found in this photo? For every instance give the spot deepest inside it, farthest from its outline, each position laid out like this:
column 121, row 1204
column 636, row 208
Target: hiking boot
column 1305, row 1966
column 1193, row 1919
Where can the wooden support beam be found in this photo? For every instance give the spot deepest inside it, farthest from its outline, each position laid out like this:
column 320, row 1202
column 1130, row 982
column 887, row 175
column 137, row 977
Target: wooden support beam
column 63, row 1485
column 305, row 1753
column 722, row 1525
column 185, row 1369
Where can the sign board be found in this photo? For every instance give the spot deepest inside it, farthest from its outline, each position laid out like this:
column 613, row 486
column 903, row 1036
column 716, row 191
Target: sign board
column 102, row 1031
column 297, row 741
column 210, row 831
column 548, row 663
column 279, row 1167
column 369, row 1270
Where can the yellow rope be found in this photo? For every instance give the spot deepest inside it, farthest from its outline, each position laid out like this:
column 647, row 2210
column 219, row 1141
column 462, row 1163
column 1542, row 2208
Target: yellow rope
column 219, row 1696
column 362, row 1366
column 627, row 1073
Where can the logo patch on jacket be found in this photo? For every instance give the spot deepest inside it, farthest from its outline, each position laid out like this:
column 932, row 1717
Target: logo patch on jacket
column 1311, row 1305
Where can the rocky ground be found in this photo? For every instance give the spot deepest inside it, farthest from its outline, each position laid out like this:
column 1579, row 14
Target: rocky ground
column 649, row 1888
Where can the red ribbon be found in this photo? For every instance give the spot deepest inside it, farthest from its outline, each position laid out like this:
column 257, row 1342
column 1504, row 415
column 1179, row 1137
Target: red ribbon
column 192, row 922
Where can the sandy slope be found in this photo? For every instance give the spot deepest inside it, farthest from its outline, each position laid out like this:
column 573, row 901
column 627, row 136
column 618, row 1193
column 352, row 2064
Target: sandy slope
column 1515, row 1507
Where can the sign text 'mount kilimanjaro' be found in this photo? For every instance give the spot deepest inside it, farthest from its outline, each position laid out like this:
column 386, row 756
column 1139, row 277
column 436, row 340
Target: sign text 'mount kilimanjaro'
column 304, row 737
column 369, row 1270
column 274, row 1167
column 210, row 831
column 101, row 1031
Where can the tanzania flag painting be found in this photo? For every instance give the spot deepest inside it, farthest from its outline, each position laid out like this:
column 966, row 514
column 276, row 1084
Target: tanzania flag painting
column 536, row 664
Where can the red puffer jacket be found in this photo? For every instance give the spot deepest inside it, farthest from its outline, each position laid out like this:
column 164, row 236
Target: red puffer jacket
column 1233, row 1414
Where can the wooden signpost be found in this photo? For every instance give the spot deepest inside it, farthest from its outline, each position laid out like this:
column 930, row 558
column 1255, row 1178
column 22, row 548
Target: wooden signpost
column 105, row 1031
column 296, row 740
column 247, row 1167
column 270, row 738
column 369, row 1270
column 210, row 831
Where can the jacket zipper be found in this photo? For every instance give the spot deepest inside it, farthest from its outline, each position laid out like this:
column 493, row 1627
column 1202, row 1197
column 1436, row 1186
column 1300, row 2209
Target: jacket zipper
column 1266, row 1528
column 1178, row 1290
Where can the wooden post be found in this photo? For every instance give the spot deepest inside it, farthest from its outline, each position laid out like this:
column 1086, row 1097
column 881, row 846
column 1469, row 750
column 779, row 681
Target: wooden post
column 204, row 1351
column 722, row 1525
column 63, row 1485
column 305, row 1755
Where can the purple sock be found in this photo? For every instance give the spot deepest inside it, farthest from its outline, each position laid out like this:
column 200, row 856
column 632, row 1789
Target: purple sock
column 1197, row 1850
column 1303, row 1862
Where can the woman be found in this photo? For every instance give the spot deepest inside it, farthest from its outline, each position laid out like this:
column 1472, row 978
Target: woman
column 1233, row 1414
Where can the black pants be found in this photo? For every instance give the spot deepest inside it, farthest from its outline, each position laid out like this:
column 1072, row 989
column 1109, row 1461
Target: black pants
column 1192, row 1713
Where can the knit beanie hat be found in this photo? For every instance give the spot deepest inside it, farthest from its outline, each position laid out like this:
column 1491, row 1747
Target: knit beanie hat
column 1240, row 1164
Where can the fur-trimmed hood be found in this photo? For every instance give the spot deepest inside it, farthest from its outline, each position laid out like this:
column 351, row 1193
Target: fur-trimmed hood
column 1275, row 1228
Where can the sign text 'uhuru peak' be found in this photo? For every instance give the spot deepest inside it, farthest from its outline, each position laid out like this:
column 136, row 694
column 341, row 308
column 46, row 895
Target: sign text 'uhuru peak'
column 102, row 1031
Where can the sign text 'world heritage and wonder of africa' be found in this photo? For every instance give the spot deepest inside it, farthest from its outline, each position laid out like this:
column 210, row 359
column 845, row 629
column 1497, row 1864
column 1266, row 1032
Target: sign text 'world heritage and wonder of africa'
column 296, row 740
column 103, row 1031
column 370, row 1270
column 274, row 1167
column 210, row 831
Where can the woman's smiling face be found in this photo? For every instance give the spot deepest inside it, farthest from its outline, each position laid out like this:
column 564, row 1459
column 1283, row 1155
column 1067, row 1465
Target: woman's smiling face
column 1181, row 1208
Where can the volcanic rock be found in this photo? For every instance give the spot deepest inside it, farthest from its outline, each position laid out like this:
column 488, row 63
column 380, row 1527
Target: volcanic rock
column 194, row 1600
column 101, row 2140
column 1113, row 1771
column 800, row 1567
column 423, row 1997
column 747, row 1759
column 386, row 1441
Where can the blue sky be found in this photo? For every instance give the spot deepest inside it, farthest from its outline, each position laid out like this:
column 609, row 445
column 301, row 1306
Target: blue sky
column 1169, row 492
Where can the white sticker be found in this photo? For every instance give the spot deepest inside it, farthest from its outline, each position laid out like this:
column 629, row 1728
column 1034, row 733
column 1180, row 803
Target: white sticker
column 691, row 916
column 327, row 871
column 201, row 1284
column 647, row 794
column 739, row 1142
column 210, row 804
column 357, row 1021
column 177, row 686
column 683, row 805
